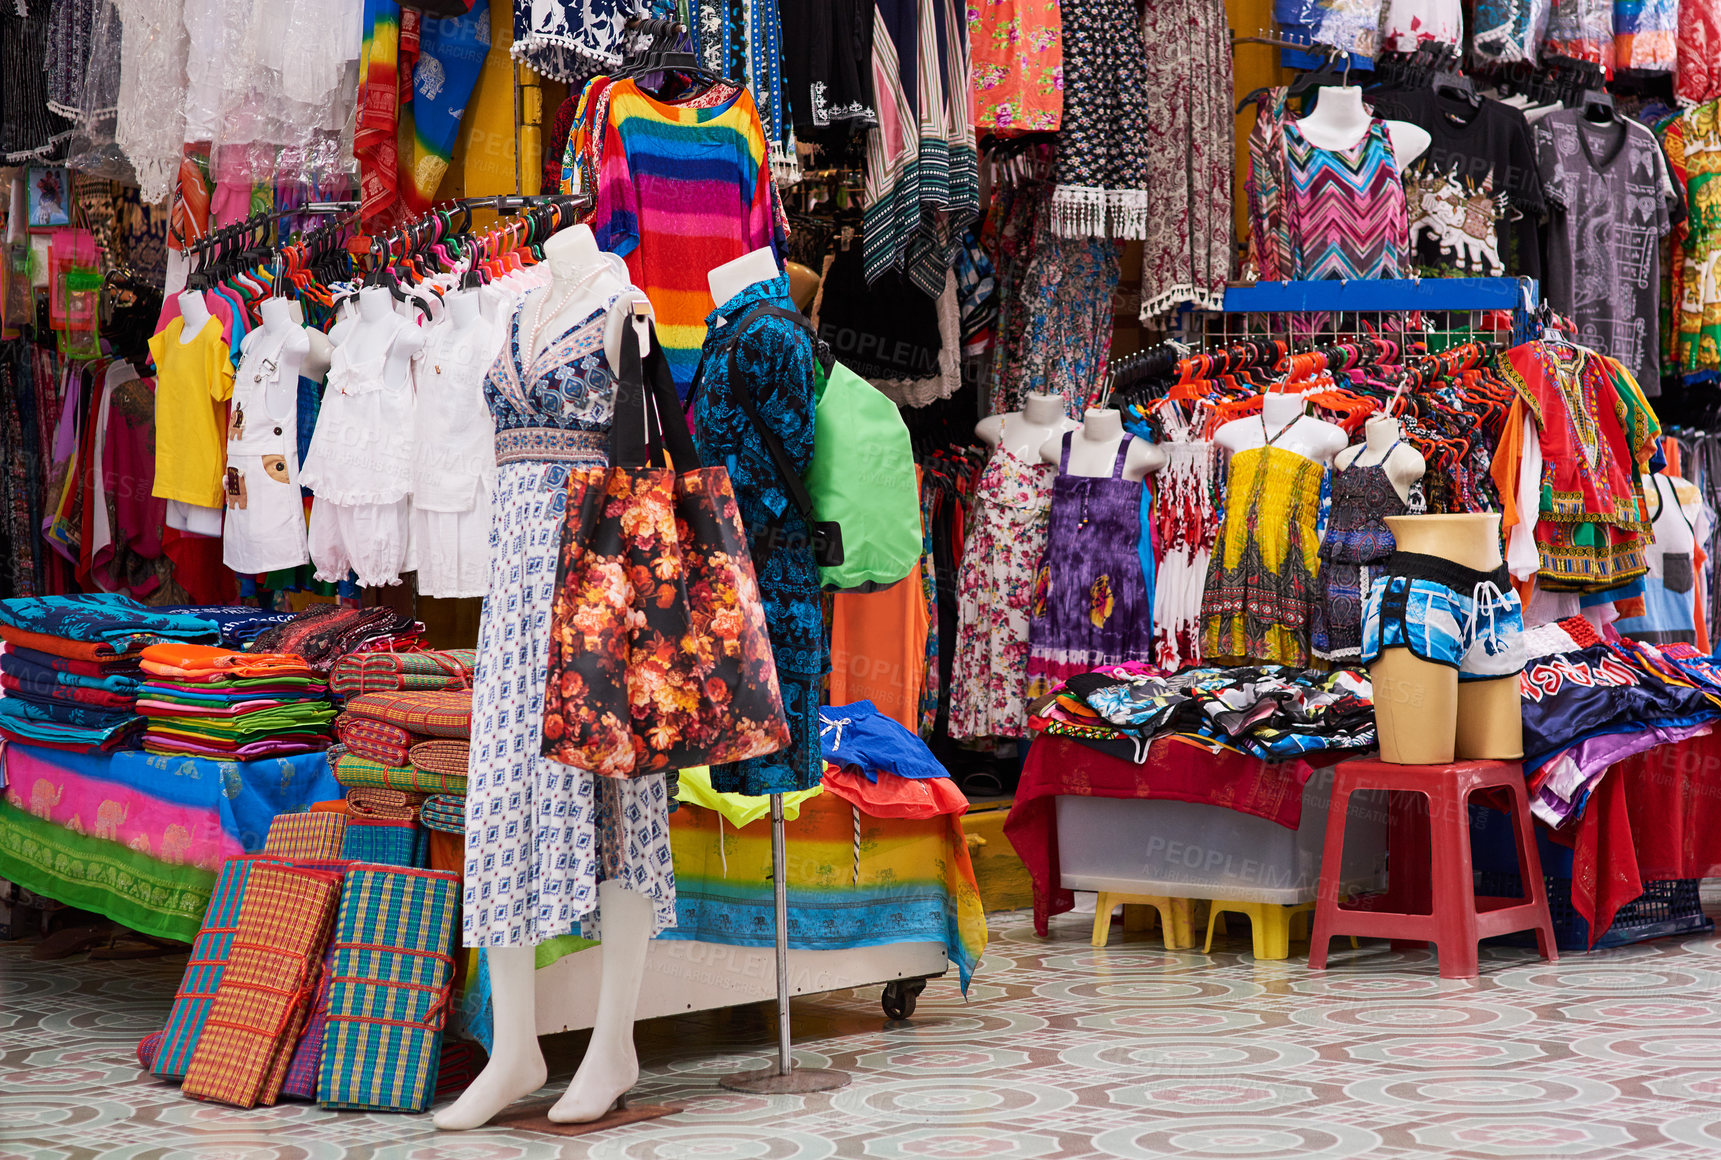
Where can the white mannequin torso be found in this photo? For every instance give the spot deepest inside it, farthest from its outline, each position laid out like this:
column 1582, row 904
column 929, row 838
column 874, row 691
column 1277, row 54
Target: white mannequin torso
column 376, row 329
column 1024, row 432
column 1283, row 423
column 1404, row 464
column 278, row 325
column 1093, row 450
column 582, row 278
column 195, row 315
column 731, row 278
column 1340, row 119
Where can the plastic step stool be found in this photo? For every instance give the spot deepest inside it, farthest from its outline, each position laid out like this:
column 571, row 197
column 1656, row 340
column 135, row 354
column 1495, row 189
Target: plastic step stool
column 1269, row 924
column 1175, row 920
column 1430, row 811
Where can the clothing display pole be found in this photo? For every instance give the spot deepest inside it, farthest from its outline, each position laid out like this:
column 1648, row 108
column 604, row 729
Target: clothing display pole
column 784, row 1079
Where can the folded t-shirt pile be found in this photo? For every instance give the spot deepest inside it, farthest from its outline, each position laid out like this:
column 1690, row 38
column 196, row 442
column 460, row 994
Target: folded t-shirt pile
column 324, row 633
column 238, row 706
column 1268, row 711
column 882, row 769
column 1590, row 702
column 69, row 675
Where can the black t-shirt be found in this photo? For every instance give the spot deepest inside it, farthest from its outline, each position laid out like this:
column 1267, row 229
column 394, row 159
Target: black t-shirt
column 1475, row 197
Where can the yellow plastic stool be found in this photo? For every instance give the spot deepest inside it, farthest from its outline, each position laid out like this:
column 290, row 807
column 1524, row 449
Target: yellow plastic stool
column 1175, row 919
column 1269, row 924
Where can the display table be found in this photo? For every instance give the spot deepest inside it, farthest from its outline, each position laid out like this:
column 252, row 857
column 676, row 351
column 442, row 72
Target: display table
column 136, row 836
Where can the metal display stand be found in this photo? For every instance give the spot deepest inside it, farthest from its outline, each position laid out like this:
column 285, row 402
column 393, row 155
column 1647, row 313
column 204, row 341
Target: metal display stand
column 785, row 1078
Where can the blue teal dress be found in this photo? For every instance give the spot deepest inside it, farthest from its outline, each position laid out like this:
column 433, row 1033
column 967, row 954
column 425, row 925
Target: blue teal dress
column 777, row 360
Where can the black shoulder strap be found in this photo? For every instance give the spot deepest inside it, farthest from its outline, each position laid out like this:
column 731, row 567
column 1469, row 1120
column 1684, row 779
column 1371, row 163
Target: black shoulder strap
column 792, row 483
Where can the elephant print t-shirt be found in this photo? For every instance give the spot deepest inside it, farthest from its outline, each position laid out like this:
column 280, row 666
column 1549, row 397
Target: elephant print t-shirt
column 1610, row 201
column 1474, row 199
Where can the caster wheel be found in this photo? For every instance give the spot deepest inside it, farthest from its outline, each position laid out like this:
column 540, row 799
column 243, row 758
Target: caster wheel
column 900, row 997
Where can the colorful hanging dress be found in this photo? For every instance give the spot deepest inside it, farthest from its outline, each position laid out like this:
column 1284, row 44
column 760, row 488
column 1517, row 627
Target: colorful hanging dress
column 1261, row 580
column 1345, row 213
column 1091, row 605
column 1007, row 537
column 1362, row 498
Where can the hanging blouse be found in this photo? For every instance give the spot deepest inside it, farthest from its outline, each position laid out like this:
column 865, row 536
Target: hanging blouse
column 1345, row 213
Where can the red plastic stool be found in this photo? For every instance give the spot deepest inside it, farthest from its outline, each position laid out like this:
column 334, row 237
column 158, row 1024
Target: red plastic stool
column 1452, row 916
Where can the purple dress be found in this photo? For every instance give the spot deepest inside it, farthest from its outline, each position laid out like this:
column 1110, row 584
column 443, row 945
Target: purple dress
column 1090, row 605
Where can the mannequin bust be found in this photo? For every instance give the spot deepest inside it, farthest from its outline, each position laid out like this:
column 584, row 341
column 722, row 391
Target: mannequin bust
column 1382, row 446
column 582, row 279
column 377, row 328
column 1340, row 119
column 731, row 278
column 1282, row 423
column 1093, row 452
column 195, row 313
column 295, row 345
column 516, row 1068
column 1424, row 713
column 318, row 356
column 1024, row 432
column 464, row 308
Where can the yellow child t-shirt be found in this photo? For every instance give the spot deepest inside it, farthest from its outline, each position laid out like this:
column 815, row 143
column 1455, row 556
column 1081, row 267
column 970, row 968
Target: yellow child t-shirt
column 193, row 381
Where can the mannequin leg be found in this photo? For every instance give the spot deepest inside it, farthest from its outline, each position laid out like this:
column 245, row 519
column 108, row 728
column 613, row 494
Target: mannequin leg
column 1490, row 720
column 611, row 1066
column 516, row 1068
column 1415, row 708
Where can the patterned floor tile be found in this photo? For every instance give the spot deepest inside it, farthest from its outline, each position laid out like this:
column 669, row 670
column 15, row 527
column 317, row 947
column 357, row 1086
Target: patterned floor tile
column 1061, row 1050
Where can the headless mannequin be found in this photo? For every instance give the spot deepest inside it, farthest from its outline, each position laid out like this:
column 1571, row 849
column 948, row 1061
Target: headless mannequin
column 1425, row 714
column 1024, row 432
column 376, row 329
column 278, row 323
column 731, row 278
column 1093, row 452
column 182, row 516
column 583, row 279
column 1282, row 411
column 465, row 309
column 195, row 313
column 1404, row 465
column 1340, row 119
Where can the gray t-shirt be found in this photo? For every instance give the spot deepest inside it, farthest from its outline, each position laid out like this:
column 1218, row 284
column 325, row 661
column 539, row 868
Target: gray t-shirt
column 1611, row 200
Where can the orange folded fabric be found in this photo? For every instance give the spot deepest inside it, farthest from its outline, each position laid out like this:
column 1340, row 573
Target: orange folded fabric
column 59, row 646
column 339, row 807
column 202, row 660
column 894, row 796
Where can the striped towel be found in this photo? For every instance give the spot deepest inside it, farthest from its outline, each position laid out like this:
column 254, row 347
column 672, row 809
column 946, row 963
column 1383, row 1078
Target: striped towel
column 309, row 835
column 374, row 672
column 387, row 804
column 389, row 989
column 254, row 1022
column 444, row 811
column 358, row 773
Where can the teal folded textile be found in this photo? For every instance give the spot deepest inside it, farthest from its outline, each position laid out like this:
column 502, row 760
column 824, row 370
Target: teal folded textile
column 390, row 971
column 444, row 811
column 102, row 618
column 386, row 841
column 33, row 674
column 20, row 720
column 60, row 712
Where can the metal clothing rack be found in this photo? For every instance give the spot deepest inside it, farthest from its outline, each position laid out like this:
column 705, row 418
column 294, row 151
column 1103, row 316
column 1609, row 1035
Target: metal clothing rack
column 1433, row 311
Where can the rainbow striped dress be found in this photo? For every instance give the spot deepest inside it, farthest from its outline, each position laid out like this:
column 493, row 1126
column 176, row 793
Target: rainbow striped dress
column 1344, row 210
column 679, row 191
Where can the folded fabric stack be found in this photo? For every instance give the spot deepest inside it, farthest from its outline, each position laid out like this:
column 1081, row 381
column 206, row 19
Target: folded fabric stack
column 324, row 633
column 69, row 676
column 239, row 626
column 399, row 672
column 1588, row 703
column 881, row 768
column 445, row 812
column 415, row 742
column 214, row 702
column 1267, row 711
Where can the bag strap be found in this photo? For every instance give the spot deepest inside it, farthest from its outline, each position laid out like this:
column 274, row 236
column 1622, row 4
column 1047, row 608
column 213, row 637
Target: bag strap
column 645, row 401
column 792, row 482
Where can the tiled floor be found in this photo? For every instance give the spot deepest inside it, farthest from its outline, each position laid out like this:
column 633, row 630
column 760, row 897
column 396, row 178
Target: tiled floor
column 1061, row 1050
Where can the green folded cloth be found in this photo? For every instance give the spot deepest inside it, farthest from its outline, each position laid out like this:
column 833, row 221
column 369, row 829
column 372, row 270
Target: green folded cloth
column 360, row 773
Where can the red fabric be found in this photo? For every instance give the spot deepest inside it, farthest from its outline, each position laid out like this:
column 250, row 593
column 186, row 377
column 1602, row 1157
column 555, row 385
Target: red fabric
column 1654, row 817
column 894, row 796
column 198, row 568
column 1174, row 769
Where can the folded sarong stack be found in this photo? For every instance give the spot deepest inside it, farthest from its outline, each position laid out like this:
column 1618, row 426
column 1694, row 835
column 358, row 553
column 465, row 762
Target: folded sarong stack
column 321, row 980
column 69, row 676
column 213, row 702
column 324, row 633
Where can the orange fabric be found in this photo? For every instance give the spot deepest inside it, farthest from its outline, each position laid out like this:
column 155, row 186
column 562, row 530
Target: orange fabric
column 447, row 851
column 203, row 660
column 878, row 649
column 339, row 807
column 76, row 650
column 1508, row 458
column 893, row 796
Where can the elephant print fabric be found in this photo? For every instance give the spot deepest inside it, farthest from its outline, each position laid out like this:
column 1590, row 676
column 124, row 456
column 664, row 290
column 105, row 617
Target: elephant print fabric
column 1474, row 197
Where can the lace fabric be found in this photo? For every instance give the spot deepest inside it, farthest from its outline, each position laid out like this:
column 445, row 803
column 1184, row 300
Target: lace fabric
column 150, row 125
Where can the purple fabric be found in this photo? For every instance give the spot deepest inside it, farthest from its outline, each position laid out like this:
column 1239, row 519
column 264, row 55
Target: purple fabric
column 1588, row 760
column 274, row 747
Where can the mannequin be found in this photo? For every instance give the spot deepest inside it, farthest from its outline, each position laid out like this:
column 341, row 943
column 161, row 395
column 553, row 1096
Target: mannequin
column 278, row 322
column 1425, row 714
column 465, row 308
column 1024, row 432
column 1382, row 444
column 196, row 314
column 1340, row 119
column 378, row 328
column 803, row 285
column 731, row 278
column 1094, row 451
column 584, row 279
column 1282, row 411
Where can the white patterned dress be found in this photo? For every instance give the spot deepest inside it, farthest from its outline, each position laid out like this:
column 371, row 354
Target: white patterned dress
column 541, row 835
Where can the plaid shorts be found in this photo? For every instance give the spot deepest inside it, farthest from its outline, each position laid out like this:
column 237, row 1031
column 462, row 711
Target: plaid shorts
column 1447, row 615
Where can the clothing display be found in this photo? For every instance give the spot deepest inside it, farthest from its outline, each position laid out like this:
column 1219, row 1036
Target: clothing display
column 1018, row 65
column 1102, row 174
column 264, row 525
column 1446, row 615
column 454, row 458
column 1356, row 536
column 1091, row 604
column 826, row 51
